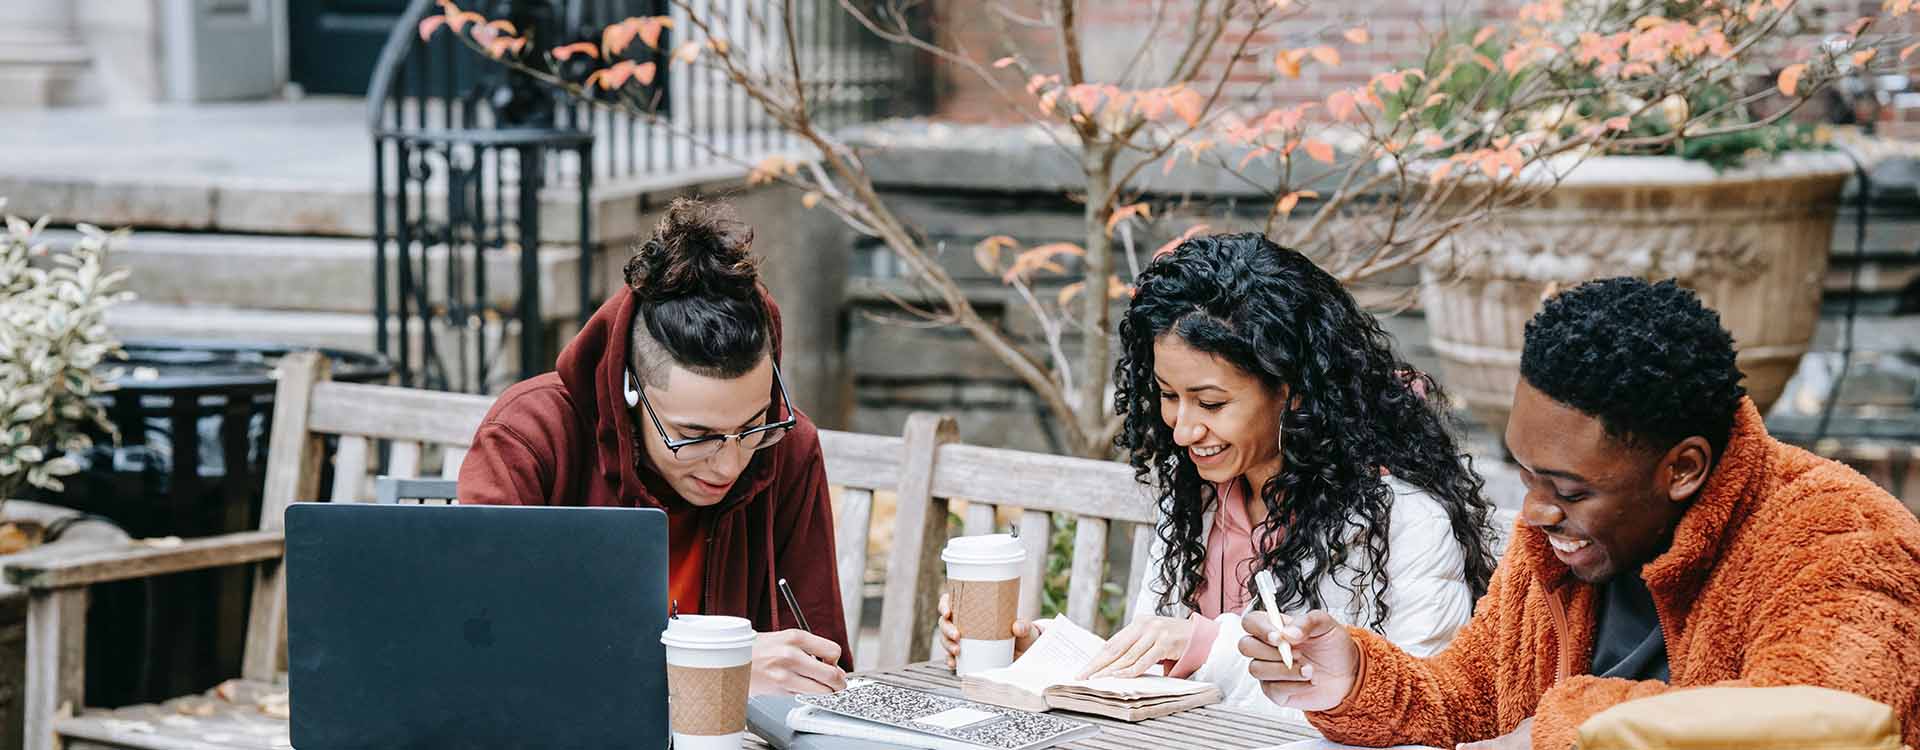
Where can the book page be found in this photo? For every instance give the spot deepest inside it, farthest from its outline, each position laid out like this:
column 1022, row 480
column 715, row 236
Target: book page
column 1062, row 649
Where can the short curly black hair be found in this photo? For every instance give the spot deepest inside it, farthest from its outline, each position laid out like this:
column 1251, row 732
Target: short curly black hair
column 1647, row 359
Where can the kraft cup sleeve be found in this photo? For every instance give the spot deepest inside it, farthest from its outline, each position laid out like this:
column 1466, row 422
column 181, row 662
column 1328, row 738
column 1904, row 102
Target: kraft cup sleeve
column 705, row 701
column 984, row 610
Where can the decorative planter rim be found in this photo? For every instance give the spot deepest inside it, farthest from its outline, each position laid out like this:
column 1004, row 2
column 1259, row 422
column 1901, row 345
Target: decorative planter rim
column 1608, row 171
column 1604, row 171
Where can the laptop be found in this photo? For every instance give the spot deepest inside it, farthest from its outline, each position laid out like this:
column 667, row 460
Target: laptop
column 476, row 626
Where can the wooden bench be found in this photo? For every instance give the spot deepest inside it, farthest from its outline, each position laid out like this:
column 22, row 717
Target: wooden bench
column 923, row 468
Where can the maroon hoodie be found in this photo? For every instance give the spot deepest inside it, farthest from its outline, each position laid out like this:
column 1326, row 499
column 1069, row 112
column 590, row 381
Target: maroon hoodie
column 566, row 438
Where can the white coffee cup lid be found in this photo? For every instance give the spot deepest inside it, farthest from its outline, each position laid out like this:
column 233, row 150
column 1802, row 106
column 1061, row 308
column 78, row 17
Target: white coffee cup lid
column 984, row 549
column 708, row 632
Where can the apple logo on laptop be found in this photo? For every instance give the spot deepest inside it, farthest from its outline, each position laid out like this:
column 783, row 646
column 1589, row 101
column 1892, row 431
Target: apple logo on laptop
column 479, row 630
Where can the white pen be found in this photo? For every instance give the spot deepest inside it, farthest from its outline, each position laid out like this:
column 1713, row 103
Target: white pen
column 1263, row 580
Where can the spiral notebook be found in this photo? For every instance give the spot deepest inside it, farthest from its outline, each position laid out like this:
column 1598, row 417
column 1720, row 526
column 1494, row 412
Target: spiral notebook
column 887, row 713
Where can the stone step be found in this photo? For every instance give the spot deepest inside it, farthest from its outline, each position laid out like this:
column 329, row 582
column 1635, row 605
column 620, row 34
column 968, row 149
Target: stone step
column 333, row 330
column 321, row 274
column 276, row 205
column 214, row 322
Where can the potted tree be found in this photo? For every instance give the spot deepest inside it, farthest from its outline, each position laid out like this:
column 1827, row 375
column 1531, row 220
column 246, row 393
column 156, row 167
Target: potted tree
column 1708, row 182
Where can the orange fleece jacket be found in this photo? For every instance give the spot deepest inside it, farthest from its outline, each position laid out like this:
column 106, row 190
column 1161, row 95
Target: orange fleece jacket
column 1788, row 569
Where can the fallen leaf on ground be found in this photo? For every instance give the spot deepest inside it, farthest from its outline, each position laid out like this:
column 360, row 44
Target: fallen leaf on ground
column 275, row 705
column 197, row 708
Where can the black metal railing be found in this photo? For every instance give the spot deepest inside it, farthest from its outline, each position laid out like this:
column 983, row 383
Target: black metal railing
column 464, row 147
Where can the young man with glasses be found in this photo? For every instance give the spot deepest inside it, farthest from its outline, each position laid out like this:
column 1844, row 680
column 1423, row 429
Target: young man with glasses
column 671, row 398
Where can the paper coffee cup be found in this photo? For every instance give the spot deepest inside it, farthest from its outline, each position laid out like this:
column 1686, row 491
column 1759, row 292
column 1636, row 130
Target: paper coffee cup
column 983, row 585
column 709, row 665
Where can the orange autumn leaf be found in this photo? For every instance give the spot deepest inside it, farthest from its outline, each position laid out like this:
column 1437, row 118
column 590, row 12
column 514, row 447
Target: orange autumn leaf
column 616, row 38
column 1486, row 32
column 503, row 26
column 1485, row 62
column 1288, row 62
column 1341, row 105
column 1865, row 55
column 987, row 252
column 1189, row 105
column 617, row 75
column 687, row 52
column 1434, row 142
column 644, row 73
column 1319, row 150
column 1254, row 154
column 1174, row 244
column 811, row 199
column 1790, row 78
column 1326, row 55
column 1897, row 7
column 585, row 48
column 1859, row 25
column 1117, row 288
column 1068, row 292
column 458, row 19
column 1040, row 259
column 1618, row 123
column 1047, row 100
column 1003, row 62
column 1908, row 52
column 650, row 30
column 1358, row 35
column 770, row 169
column 1123, row 213
column 1440, row 173
column 1288, row 201
column 429, row 25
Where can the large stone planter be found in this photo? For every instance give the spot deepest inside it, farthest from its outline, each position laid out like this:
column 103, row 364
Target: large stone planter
column 1753, row 242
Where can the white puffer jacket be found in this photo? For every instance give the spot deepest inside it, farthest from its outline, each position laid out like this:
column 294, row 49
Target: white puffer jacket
column 1428, row 598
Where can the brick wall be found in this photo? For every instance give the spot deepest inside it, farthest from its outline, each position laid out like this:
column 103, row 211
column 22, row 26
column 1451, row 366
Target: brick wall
column 1113, row 30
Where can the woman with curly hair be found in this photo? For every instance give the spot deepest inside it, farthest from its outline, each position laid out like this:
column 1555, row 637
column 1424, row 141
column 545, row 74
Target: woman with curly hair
column 1283, row 433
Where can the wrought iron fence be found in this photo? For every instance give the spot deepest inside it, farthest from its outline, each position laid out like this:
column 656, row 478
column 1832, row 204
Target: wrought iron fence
column 465, row 147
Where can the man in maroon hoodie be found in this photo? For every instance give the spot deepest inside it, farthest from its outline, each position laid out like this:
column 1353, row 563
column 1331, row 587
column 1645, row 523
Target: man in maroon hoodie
column 671, row 398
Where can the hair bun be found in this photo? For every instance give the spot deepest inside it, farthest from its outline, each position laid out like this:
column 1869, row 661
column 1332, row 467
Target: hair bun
column 697, row 249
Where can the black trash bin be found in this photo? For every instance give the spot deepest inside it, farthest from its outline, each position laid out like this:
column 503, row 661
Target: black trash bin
column 194, row 418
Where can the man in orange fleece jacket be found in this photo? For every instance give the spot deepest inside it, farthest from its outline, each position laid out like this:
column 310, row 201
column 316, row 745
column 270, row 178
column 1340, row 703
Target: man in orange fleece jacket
column 1666, row 542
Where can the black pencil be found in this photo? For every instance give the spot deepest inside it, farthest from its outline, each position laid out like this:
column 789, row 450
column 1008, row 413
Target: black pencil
column 793, row 604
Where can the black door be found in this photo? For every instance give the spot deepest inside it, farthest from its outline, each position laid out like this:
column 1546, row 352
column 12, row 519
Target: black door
column 336, row 43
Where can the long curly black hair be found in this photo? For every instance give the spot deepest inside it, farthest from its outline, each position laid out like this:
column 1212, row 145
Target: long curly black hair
column 1356, row 409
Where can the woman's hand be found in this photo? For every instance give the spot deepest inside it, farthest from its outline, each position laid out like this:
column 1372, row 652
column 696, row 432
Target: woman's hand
column 1024, row 633
column 1139, row 646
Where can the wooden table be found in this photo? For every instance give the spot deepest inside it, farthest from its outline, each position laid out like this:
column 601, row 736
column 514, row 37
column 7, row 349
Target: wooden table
column 1210, row 727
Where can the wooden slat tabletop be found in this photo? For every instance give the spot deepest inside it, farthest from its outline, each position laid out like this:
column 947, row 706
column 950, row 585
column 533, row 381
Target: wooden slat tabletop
column 1210, row 727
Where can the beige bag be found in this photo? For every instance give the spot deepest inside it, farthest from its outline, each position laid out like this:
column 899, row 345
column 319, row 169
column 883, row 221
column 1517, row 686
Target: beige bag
column 1745, row 718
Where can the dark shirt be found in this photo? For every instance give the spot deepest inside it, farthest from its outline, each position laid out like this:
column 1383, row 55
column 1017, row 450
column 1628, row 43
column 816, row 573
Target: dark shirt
column 1627, row 641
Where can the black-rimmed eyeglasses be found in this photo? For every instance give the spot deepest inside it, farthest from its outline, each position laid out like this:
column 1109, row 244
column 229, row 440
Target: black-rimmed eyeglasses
column 705, row 446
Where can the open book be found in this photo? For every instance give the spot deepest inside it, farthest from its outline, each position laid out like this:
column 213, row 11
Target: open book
column 1042, row 678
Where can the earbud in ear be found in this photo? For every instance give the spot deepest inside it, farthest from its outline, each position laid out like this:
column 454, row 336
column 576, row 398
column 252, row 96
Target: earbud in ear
column 632, row 392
